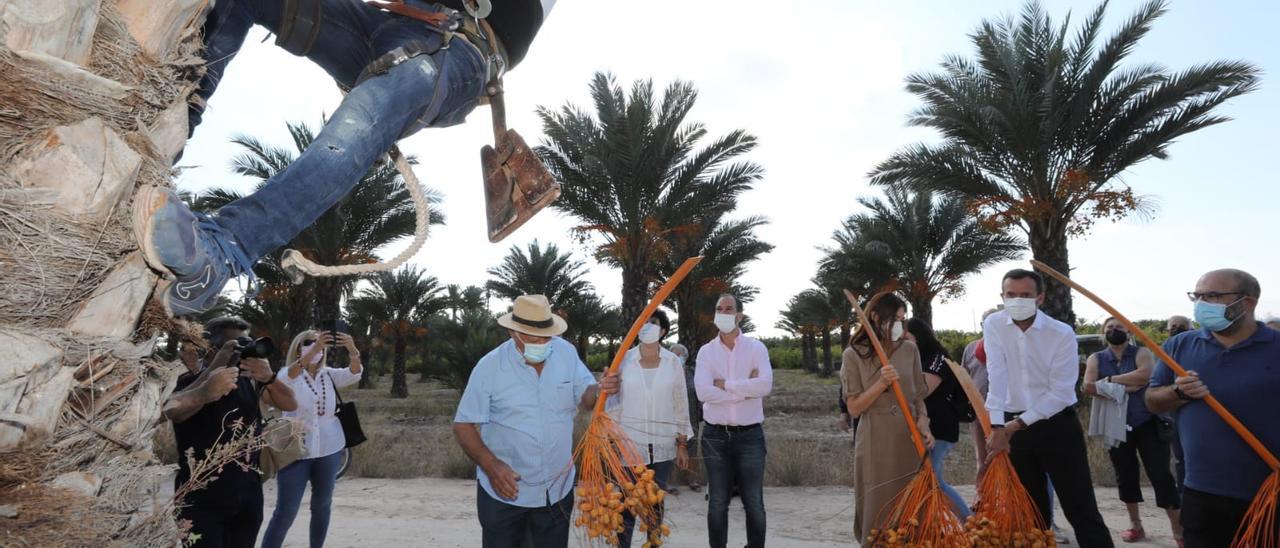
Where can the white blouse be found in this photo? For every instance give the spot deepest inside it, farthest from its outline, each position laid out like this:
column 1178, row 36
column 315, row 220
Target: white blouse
column 653, row 405
column 322, row 433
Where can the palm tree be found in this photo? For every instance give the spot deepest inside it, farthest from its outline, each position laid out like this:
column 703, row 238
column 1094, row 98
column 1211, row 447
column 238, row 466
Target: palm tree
column 587, row 316
column 927, row 245
column 799, row 322
column 633, row 174
column 459, row 345
column 378, row 211
column 1038, row 128
column 396, row 297
column 540, row 271
column 365, row 318
column 726, row 249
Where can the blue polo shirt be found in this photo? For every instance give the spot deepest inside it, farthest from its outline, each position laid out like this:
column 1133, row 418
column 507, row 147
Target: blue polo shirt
column 526, row 419
column 1246, row 379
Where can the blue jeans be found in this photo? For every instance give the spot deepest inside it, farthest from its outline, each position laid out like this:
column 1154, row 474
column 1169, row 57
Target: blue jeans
column 734, row 458
column 937, row 455
column 290, row 482
column 661, row 474
column 425, row 91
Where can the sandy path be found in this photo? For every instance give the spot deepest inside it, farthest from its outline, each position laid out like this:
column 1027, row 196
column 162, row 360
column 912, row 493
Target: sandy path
column 440, row 513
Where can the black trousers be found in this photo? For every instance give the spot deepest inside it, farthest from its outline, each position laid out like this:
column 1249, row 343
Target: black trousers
column 509, row 526
column 1210, row 521
column 1055, row 447
column 225, row 521
column 1144, row 441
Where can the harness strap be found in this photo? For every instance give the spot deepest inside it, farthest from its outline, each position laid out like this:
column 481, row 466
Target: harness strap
column 299, row 26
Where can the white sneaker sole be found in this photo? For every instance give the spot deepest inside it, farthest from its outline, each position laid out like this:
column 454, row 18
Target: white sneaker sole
column 148, row 200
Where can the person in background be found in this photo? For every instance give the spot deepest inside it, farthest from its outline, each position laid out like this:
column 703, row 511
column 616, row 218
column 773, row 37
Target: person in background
column 1177, row 325
column 974, row 361
column 315, row 387
column 652, row 407
column 1124, row 363
column 942, row 390
column 695, row 418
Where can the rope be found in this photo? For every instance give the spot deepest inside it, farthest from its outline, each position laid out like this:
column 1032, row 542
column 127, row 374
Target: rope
column 298, row 266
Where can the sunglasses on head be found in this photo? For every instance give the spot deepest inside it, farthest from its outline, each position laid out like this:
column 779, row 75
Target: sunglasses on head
column 308, row 342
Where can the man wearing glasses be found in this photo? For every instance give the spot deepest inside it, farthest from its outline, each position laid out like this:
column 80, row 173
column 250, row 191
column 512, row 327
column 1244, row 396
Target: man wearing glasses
column 1236, row 359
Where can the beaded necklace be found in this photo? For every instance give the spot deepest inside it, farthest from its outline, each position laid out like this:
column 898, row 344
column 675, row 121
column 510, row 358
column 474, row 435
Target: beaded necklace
column 320, row 395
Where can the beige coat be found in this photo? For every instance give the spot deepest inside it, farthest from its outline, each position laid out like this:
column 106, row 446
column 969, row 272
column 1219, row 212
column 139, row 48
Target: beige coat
column 884, row 456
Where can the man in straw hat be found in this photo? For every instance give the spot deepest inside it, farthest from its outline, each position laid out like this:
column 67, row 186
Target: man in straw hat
column 515, row 421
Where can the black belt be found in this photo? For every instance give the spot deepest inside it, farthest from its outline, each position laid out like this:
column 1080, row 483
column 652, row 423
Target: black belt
column 1010, row 415
column 733, row 428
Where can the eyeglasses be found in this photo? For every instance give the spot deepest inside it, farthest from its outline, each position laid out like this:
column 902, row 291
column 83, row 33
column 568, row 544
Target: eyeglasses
column 1210, row 296
column 308, row 342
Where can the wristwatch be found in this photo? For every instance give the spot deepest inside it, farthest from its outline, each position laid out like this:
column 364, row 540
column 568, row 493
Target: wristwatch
column 1177, row 391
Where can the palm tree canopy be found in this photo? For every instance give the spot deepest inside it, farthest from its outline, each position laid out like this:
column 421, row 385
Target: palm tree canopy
column 399, row 295
column 927, row 244
column 1038, row 126
column 635, row 170
column 540, row 271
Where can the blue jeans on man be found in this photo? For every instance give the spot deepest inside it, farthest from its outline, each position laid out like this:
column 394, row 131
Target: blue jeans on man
column 291, row 482
column 436, row 87
column 509, row 526
column 734, row 456
column 437, row 90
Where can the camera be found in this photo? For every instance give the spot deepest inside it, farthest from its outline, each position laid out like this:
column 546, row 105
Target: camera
column 262, row 347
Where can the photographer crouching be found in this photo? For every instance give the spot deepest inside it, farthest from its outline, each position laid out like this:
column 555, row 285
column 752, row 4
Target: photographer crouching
column 222, row 391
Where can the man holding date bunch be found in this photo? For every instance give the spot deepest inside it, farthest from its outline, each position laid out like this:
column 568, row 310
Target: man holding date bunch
column 206, row 407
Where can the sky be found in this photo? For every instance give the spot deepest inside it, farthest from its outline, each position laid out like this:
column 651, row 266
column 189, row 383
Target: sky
column 820, row 83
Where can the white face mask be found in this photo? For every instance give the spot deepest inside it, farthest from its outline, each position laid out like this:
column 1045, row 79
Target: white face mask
column 726, row 323
column 896, row 332
column 1020, row 308
column 650, row 333
column 317, row 357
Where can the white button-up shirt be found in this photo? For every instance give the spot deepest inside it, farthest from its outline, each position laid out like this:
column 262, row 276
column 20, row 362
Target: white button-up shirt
column 1033, row 372
column 740, row 402
column 322, row 434
column 652, row 411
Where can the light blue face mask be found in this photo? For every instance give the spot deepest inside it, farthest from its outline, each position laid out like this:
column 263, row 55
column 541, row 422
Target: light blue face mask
column 1213, row 316
column 535, row 353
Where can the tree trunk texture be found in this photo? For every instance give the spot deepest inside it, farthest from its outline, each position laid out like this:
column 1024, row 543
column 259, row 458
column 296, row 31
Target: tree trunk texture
column 94, row 97
column 826, row 353
column 399, row 385
column 922, row 307
column 635, row 294
column 1049, row 246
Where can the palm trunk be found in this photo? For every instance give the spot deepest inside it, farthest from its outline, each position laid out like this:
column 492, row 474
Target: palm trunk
column 922, row 307
column 846, row 332
column 826, row 352
column 399, row 387
column 810, row 352
column 1049, row 246
column 635, row 291
column 424, row 377
column 328, row 297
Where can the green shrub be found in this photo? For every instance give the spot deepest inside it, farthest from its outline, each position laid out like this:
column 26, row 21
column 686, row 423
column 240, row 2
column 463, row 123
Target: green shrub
column 786, row 358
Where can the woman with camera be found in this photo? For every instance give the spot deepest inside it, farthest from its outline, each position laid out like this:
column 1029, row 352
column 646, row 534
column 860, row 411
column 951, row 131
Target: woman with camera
column 315, row 386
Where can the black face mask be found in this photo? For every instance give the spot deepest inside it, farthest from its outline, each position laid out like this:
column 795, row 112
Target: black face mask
column 1117, row 337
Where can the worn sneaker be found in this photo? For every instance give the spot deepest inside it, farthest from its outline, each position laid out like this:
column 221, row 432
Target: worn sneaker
column 189, row 248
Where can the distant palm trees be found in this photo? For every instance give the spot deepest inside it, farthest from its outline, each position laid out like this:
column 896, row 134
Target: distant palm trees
column 395, row 300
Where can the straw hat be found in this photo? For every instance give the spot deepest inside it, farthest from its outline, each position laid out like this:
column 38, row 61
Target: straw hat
column 532, row 315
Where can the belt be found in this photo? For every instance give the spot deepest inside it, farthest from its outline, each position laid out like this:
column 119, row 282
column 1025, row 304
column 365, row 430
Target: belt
column 474, row 31
column 1010, row 415
column 734, row 428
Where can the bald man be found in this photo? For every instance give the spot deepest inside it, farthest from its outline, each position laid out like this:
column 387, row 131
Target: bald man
column 1234, row 357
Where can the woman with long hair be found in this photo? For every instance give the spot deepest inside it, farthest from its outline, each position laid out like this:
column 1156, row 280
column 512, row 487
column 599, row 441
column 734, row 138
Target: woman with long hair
column 943, row 389
column 884, row 456
column 315, row 387
column 653, row 407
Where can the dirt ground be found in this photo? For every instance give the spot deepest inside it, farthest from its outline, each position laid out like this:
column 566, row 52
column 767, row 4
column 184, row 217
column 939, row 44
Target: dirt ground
column 440, row 513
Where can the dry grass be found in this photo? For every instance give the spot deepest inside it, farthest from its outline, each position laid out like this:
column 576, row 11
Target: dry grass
column 413, row 437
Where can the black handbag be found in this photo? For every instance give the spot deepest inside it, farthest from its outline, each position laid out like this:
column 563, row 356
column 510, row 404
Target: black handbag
column 349, row 418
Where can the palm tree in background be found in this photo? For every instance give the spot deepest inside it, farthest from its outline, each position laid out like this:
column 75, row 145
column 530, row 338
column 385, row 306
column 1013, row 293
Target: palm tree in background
column 1039, row 126
column 926, row 245
column 635, row 171
column 540, row 271
column 588, row 317
column 727, row 248
column 396, row 298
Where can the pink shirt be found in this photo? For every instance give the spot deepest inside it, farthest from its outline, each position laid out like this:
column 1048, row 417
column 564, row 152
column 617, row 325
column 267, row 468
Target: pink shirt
column 740, row 402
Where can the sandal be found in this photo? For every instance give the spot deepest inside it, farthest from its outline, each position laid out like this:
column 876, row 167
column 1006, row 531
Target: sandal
column 1133, row 535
